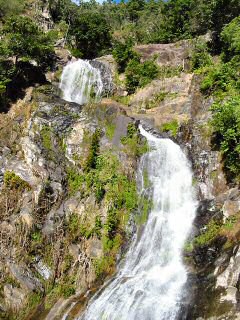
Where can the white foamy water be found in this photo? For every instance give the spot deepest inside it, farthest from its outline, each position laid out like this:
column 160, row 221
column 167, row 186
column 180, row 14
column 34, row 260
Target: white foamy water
column 150, row 281
column 80, row 82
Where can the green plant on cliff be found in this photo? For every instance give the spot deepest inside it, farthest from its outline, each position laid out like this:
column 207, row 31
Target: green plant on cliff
column 211, row 232
column 172, row 127
column 14, row 182
column 231, row 40
column 226, row 125
column 200, row 56
column 133, row 144
column 93, row 151
column 221, row 77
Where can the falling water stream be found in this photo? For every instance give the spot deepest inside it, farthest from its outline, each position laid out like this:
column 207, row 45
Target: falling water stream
column 149, row 283
column 80, row 82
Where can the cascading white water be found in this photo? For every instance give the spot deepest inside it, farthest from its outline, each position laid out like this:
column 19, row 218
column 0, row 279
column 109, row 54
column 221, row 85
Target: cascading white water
column 149, row 284
column 81, row 82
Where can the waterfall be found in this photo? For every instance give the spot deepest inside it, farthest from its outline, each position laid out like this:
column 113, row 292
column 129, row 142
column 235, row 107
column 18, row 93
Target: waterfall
column 80, row 82
column 149, row 284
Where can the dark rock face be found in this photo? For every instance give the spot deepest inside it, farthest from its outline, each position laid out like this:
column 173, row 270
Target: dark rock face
column 106, row 75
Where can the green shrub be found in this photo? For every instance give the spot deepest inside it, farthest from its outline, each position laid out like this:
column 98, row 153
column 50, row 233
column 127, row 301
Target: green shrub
column 231, row 40
column 140, row 74
column 221, row 77
column 169, row 71
column 14, row 182
column 93, row 151
column 75, row 181
column 212, row 230
column 200, row 56
column 112, row 223
column 226, row 126
column 134, row 146
column 172, row 127
column 103, row 266
column 123, row 52
column 110, row 129
column 159, row 97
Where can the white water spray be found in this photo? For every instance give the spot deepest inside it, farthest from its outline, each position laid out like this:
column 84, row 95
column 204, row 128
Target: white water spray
column 149, row 285
column 80, row 82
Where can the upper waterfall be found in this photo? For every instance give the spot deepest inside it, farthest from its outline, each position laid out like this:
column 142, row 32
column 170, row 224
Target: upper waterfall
column 149, row 284
column 81, row 82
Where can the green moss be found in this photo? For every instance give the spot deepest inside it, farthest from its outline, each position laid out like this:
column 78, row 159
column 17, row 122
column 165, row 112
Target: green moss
column 145, row 207
column 172, row 127
column 104, row 266
column 146, row 181
column 110, row 130
column 212, row 230
column 34, row 299
column 123, row 99
column 14, row 182
column 46, row 138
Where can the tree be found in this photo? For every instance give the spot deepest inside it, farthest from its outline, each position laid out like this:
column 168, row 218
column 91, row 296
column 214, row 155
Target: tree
column 177, row 15
column 24, row 40
column 92, row 33
column 226, row 125
column 231, row 39
column 123, row 52
column 134, row 7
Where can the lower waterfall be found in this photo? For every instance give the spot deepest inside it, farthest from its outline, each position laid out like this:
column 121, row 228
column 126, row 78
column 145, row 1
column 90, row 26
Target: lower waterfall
column 81, row 82
column 149, row 283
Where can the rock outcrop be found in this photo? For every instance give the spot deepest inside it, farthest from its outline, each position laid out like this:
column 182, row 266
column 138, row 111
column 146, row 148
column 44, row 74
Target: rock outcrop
column 53, row 210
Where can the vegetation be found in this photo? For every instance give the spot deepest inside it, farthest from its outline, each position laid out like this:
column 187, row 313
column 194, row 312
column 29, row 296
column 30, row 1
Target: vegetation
column 23, row 39
column 200, row 55
column 140, row 74
column 21, row 42
column 123, row 53
column 171, row 127
column 215, row 229
column 226, row 124
column 14, row 182
column 91, row 33
column 132, row 142
column 221, row 81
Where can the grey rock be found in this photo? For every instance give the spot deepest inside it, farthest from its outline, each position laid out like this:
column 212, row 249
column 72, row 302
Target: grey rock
column 25, row 277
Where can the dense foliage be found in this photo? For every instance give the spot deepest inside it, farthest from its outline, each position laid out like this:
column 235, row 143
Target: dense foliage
column 22, row 41
column 140, row 74
column 226, row 124
column 221, row 81
column 91, row 33
column 93, row 27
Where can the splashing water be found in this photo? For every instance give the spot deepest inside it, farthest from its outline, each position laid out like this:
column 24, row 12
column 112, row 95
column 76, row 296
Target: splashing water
column 80, row 82
column 150, row 282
